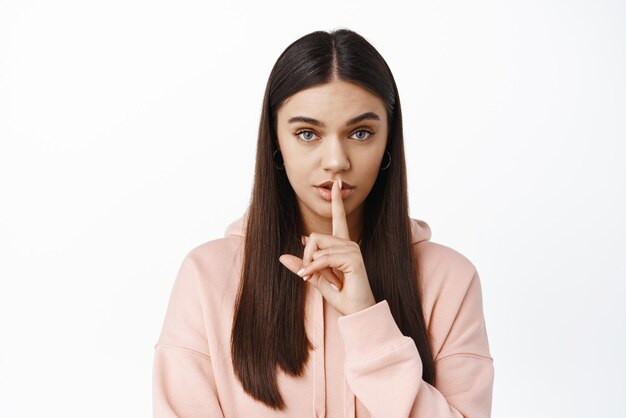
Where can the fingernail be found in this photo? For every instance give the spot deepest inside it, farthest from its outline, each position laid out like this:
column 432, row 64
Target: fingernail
column 305, row 278
column 340, row 185
column 299, row 273
column 334, row 287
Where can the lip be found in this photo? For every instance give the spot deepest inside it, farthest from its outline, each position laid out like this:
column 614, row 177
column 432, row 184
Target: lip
column 326, row 194
column 344, row 184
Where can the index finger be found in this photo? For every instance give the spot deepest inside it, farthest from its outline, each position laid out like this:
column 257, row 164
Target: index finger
column 340, row 224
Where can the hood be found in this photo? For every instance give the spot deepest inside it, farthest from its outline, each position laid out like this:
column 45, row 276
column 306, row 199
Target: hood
column 420, row 231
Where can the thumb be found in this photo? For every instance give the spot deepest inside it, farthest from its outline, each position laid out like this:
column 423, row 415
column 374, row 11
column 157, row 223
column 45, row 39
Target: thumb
column 292, row 262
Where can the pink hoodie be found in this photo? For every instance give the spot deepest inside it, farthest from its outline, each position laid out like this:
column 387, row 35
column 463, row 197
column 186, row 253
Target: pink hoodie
column 362, row 365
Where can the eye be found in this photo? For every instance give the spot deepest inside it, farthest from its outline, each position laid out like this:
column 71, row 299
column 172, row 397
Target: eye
column 362, row 139
column 304, row 131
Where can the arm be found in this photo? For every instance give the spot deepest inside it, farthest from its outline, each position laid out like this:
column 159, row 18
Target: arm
column 384, row 369
column 182, row 380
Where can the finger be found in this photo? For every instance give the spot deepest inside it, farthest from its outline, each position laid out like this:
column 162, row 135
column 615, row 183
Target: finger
column 310, row 247
column 333, row 250
column 340, row 224
column 340, row 262
column 318, row 241
column 292, row 262
column 323, row 278
column 329, row 291
column 322, row 241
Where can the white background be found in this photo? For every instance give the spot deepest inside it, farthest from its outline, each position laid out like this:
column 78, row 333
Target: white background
column 128, row 134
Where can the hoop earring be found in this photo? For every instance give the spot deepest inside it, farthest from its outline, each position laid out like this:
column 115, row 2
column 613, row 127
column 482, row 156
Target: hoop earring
column 389, row 163
column 282, row 164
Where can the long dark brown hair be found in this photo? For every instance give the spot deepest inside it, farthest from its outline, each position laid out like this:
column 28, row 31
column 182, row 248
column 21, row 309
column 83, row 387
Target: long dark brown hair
column 270, row 303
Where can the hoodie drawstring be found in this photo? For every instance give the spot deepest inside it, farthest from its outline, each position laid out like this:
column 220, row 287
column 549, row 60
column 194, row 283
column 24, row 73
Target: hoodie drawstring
column 349, row 401
column 319, row 372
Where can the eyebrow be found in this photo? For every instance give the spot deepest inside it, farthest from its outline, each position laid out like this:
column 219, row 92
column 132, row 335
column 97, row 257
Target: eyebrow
column 356, row 119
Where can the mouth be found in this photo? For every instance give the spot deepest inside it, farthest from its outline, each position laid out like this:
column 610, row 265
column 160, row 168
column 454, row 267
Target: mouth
column 328, row 185
column 325, row 193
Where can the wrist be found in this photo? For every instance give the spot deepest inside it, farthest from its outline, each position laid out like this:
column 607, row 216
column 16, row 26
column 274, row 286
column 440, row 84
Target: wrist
column 371, row 302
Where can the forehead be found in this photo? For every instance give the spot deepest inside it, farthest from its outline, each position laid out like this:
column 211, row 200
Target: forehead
column 336, row 100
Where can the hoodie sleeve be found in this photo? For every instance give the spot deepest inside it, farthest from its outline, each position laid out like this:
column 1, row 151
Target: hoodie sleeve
column 182, row 380
column 384, row 369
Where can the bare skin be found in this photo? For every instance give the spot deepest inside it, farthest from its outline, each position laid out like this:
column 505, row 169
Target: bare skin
column 335, row 151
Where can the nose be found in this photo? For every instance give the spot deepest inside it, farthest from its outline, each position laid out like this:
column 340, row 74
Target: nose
column 334, row 156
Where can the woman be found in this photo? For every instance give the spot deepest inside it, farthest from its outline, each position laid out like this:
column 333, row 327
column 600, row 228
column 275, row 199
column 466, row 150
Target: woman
column 385, row 323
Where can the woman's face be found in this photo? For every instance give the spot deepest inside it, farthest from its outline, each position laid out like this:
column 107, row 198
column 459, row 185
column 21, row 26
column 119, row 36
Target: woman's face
column 319, row 141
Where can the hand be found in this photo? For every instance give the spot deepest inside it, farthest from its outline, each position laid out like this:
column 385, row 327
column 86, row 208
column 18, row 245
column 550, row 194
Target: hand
column 334, row 264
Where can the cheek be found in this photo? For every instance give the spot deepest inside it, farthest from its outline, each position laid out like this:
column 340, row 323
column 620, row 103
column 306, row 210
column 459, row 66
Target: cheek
column 298, row 164
column 370, row 166
column 297, row 173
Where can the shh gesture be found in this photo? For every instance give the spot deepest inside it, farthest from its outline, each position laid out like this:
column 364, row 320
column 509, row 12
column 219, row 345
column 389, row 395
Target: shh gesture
column 334, row 264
